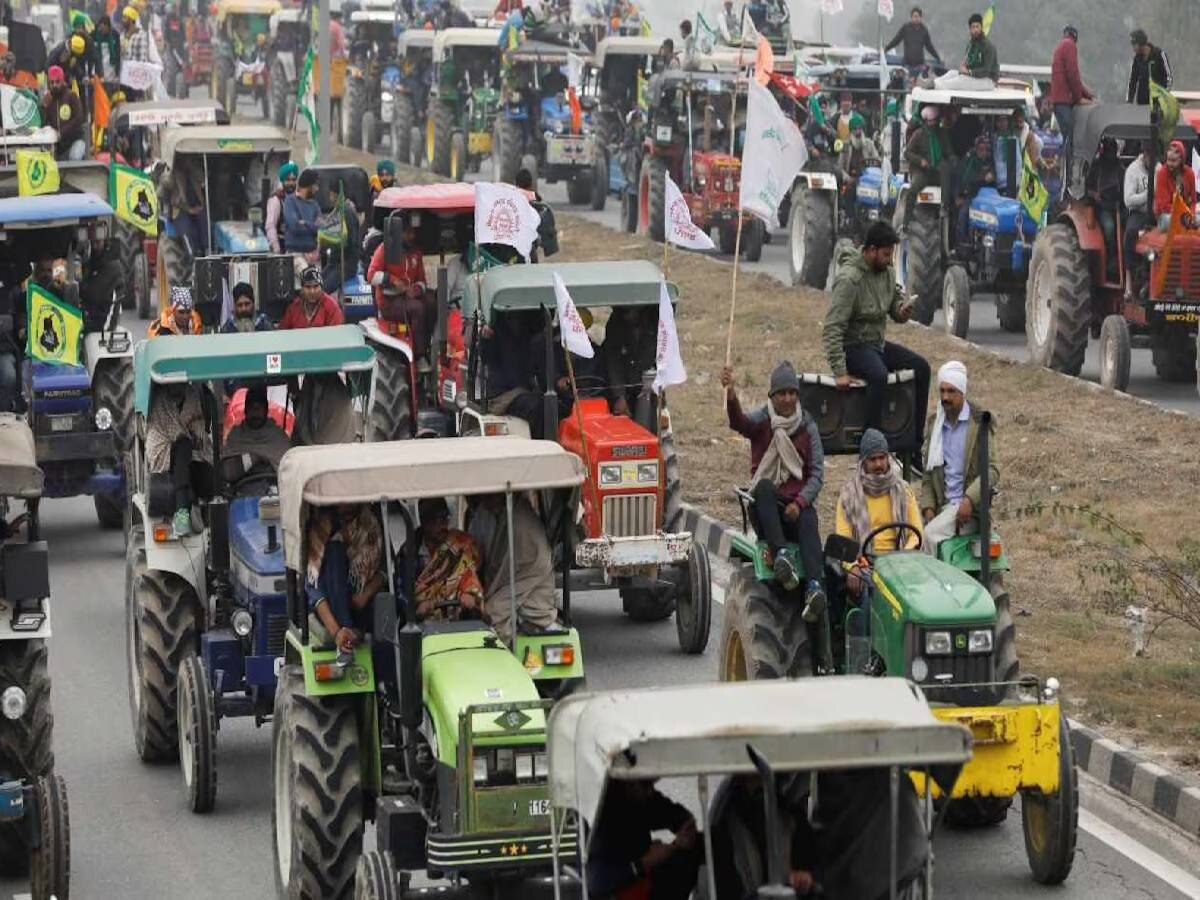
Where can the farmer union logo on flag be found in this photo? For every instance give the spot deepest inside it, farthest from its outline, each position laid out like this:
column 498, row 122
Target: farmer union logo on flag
column 24, row 110
column 504, row 220
column 138, row 202
column 681, row 220
column 38, row 172
column 49, row 333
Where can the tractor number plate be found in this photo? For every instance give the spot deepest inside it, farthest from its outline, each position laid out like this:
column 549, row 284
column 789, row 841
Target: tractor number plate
column 569, row 151
column 61, row 423
column 539, row 807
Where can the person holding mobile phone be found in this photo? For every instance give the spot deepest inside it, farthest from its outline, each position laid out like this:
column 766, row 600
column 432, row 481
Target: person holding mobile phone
column 864, row 296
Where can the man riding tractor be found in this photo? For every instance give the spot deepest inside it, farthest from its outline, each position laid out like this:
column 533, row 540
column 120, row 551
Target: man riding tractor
column 463, row 100
column 240, row 64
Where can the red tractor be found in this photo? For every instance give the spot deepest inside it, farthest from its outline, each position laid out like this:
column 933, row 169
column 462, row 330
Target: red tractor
column 691, row 119
column 1076, row 288
column 631, row 534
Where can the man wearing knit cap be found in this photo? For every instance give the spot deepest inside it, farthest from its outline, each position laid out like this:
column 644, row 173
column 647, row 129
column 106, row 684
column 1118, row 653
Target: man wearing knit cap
column 950, row 488
column 788, row 466
column 874, row 496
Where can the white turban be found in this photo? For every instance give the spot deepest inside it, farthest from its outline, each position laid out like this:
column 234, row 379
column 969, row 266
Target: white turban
column 954, row 374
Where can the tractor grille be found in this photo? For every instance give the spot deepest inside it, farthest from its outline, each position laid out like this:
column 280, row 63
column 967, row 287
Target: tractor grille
column 631, row 515
column 1182, row 277
column 973, row 669
column 277, row 627
column 725, row 179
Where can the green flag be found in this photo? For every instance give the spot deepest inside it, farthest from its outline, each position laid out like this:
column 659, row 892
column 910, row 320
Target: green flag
column 1034, row 196
column 333, row 232
column 54, row 327
column 306, row 107
column 1168, row 112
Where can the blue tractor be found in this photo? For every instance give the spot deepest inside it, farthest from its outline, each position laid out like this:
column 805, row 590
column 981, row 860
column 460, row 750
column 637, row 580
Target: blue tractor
column 81, row 412
column 207, row 612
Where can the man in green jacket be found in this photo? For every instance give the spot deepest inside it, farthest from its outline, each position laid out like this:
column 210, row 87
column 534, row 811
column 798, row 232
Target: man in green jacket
column 981, row 59
column 950, row 487
column 930, row 159
column 864, row 296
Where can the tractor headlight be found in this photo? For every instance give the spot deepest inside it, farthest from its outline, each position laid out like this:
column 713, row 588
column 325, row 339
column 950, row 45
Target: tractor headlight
column 524, row 767
column 980, row 641
column 243, row 622
column 559, row 126
column 610, row 474
column 647, row 473
column 938, row 643
column 479, row 769
column 1050, row 691
column 103, row 418
column 920, row 669
column 541, row 764
column 12, row 701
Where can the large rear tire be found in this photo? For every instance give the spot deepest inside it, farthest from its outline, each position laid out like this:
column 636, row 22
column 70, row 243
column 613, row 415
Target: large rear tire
column 754, row 233
column 129, row 243
column 280, row 89
column 370, row 133
column 579, row 190
column 377, row 877
column 1010, row 311
column 50, row 863
column 391, row 407
column 112, row 388
column 507, row 144
column 811, row 238
column 142, row 287
column 1050, row 822
column 652, row 197
column 402, row 128
column 629, row 212
column 317, row 814
column 354, row 107
column 923, row 277
column 600, row 178
column 176, row 261
column 764, row 634
column 1174, row 356
column 26, row 743
column 109, row 513
column 439, row 131
column 1058, row 301
column 197, row 721
column 956, row 302
column 648, row 604
column 977, row 812
column 161, row 613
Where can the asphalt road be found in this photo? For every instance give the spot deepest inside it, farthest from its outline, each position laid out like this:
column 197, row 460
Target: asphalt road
column 132, row 837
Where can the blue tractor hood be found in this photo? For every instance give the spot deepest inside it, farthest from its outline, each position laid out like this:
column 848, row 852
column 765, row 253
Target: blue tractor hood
column 994, row 213
column 239, row 238
column 248, row 540
column 873, row 191
column 60, row 388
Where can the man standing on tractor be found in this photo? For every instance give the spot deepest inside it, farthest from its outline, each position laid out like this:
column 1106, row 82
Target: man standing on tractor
column 930, row 159
column 729, row 23
column 178, row 318
column 181, row 195
column 916, row 40
column 313, row 308
column 399, row 290
column 1067, row 87
column 950, row 486
column 788, row 465
column 302, row 220
column 864, row 296
column 108, row 47
column 289, row 173
column 858, row 152
column 981, row 59
column 135, row 43
column 532, row 561
column 1137, row 201
column 1150, row 63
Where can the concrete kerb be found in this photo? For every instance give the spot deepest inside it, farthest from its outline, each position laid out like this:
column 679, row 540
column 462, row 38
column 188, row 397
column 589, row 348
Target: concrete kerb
column 1123, row 770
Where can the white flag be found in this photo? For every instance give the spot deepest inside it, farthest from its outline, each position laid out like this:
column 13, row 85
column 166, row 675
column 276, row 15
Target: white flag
column 887, row 9
column 574, row 332
column 503, row 216
column 774, row 154
column 141, row 76
column 668, row 362
column 680, row 230
column 19, row 108
column 574, row 71
column 831, row 7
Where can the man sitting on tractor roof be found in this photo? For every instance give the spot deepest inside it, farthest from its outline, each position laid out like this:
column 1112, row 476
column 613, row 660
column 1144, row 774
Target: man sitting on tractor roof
column 178, row 318
column 446, row 581
column 788, row 464
column 313, row 308
column 950, row 487
column 343, row 574
column 399, row 290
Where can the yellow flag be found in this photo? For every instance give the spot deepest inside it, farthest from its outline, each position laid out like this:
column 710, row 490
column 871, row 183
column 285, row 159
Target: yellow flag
column 1034, row 196
column 134, row 199
column 643, row 101
column 54, row 327
column 37, row 173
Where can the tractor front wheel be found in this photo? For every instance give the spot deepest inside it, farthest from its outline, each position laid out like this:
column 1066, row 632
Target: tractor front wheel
column 1010, row 311
column 370, row 132
column 811, row 237
column 458, row 156
column 923, row 262
column 693, row 602
column 600, row 179
column 1050, row 822
column 764, row 634
column 279, row 96
column 439, row 129
column 652, row 194
column 317, row 814
column 354, row 107
column 507, row 144
column 1116, row 348
column 977, row 812
column 197, row 721
column 377, row 878
column 648, row 604
column 1174, row 356
column 402, row 129
column 26, row 742
column 754, row 233
column 956, row 301
column 579, row 190
column 175, row 260
column 1058, row 301
column 50, row 863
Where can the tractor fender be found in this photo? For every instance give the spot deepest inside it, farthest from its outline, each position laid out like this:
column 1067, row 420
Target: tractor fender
column 1086, row 227
column 376, row 335
column 184, row 557
column 96, row 351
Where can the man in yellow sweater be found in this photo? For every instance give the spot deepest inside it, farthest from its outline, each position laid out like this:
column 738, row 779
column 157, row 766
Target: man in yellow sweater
column 874, row 496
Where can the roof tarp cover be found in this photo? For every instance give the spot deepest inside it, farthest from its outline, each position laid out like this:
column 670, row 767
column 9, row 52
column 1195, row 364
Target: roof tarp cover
column 171, row 112
column 626, row 46
column 50, row 209
column 620, row 283
column 19, row 472
column 226, row 139
column 464, row 37
column 411, row 470
column 1120, row 121
column 260, row 354
column 810, row 723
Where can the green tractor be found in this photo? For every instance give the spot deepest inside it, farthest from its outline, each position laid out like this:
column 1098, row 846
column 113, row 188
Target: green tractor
column 463, row 101
column 942, row 621
column 434, row 730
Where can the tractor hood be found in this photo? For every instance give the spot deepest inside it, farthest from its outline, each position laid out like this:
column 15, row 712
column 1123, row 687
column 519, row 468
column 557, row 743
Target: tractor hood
column 240, row 237
column 606, row 432
column 931, row 592
column 258, row 567
column 991, row 211
column 60, row 388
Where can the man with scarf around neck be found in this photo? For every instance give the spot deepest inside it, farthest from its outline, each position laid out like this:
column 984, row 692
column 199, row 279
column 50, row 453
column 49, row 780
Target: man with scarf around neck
column 256, row 445
column 343, row 574
column 950, row 487
column 875, row 495
column 243, row 318
column 788, row 465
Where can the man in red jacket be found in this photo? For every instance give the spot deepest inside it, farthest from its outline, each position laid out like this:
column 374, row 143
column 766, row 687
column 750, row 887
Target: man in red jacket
column 1067, row 89
column 313, row 308
column 400, row 295
column 788, row 464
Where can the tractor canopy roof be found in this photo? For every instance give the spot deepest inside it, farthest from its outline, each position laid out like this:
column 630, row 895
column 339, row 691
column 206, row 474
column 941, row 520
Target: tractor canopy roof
column 1121, row 121
column 354, row 180
column 446, row 40
column 852, row 722
column 997, row 102
column 180, row 359
column 374, row 17
column 545, row 52
column 226, row 139
column 416, row 39
column 227, row 8
column 625, row 46
column 411, row 470
column 1187, row 96
column 20, row 475
column 169, row 112
column 51, row 210
column 1025, row 72
column 514, row 288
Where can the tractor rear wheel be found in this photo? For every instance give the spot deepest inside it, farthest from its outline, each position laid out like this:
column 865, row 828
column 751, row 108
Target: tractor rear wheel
column 129, row 245
column 317, row 814
column 391, row 407
column 26, row 743
column 1050, row 822
column 693, row 602
column 1174, row 356
column 161, row 613
column 404, row 115
column 1058, row 301
column 923, row 261
column 141, row 286
column 377, row 877
column 652, row 197
column 1010, row 311
column 109, row 513
column 600, row 178
column 648, row 604
column 439, row 129
column 956, row 301
column 50, row 863
column 811, row 237
column 1004, row 652
column 370, row 132
column 507, row 144
column 458, row 156
column 354, row 107
column 112, row 388
column 280, row 89
column 197, row 721
column 629, row 211
column 977, row 812
column 1116, row 349
column 175, row 260
column 763, row 635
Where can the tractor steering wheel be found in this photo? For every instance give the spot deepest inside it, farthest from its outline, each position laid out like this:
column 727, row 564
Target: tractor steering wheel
column 900, row 527
column 252, row 478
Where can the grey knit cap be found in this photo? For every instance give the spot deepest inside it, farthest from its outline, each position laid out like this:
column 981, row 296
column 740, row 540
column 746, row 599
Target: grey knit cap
column 872, row 442
column 783, row 379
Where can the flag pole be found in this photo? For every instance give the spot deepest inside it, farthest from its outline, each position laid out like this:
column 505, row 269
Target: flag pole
column 666, row 255
column 587, row 463
column 737, row 255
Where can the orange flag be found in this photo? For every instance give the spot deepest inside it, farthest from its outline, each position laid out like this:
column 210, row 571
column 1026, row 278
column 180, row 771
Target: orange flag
column 1181, row 216
column 764, row 61
column 101, row 110
column 576, row 111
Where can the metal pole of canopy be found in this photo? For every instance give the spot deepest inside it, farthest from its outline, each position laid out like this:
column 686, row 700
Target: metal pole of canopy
column 324, row 100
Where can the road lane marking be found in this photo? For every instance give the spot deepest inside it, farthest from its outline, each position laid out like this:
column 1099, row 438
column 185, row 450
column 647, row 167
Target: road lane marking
column 1140, row 854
